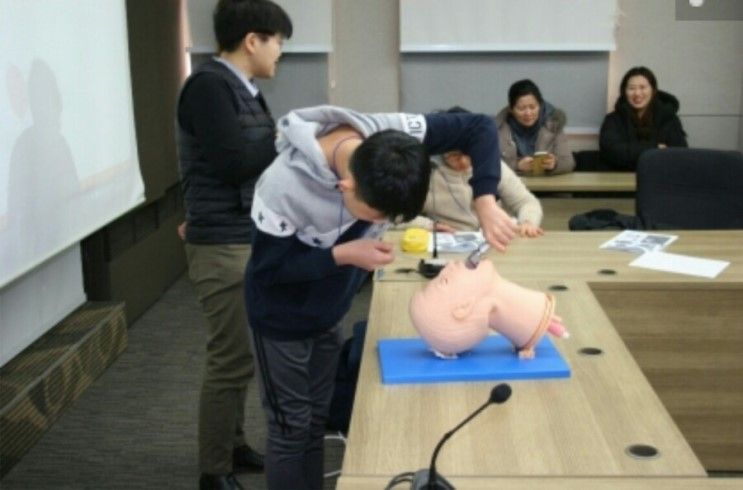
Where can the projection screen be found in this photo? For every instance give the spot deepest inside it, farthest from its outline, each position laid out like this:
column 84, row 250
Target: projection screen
column 68, row 154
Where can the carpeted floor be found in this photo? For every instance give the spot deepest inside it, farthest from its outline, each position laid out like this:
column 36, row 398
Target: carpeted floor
column 135, row 427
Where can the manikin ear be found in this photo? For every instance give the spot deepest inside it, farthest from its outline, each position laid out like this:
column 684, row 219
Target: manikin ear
column 463, row 309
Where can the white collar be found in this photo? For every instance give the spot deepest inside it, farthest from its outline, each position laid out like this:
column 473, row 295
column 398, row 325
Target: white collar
column 249, row 84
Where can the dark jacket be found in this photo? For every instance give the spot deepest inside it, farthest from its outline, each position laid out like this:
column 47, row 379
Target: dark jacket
column 225, row 140
column 620, row 142
column 551, row 138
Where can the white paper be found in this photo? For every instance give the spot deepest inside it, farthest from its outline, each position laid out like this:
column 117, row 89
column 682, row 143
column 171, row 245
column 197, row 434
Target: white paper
column 680, row 264
column 461, row 241
column 639, row 242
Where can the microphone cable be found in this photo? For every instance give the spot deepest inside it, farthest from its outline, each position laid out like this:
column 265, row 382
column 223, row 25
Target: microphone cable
column 406, row 477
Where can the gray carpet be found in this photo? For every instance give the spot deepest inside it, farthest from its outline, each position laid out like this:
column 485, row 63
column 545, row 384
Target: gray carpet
column 135, row 427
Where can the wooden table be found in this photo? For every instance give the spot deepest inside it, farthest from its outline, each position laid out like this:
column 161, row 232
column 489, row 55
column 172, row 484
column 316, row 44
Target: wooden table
column 581, row 426
column 557, row 483
column 582, row 182
column 576, row 255
column 684, row 332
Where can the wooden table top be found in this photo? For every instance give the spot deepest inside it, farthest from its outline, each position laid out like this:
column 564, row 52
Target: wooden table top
column 582, row 182
column 557, row 483
column 581, row 426
column 565, row 255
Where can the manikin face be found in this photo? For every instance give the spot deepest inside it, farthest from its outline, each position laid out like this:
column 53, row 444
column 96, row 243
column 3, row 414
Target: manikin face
column 526, row 110
column 266, row 54
column 638, row 92
column 457, row 284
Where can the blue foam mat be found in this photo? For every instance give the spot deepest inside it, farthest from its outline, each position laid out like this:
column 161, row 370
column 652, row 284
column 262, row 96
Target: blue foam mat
column 410, row 361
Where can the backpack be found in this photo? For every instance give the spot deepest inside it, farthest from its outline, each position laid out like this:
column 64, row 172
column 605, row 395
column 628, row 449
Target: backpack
column 347, row 374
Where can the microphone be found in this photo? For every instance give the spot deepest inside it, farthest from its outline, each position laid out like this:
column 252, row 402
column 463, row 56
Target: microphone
column 428, row 479
column 430, row 268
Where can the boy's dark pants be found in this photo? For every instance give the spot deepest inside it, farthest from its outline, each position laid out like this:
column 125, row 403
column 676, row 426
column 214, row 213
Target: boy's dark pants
column 217, row 272
column 296, row 382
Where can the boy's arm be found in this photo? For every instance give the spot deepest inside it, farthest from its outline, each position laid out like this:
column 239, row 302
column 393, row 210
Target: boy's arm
column 211, row 116
column 477, row 136
column 285, row 260
column 518, row 199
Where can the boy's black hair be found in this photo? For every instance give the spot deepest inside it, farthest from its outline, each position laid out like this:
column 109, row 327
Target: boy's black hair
column 234, row 19
column 391, row 170
column 457, row 109
column 522, row 88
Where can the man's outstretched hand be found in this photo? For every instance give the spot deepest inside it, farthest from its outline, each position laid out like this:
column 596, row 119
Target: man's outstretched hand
column 497, row 226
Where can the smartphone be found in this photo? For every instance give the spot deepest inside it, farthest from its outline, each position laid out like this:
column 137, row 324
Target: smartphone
column 537, row 165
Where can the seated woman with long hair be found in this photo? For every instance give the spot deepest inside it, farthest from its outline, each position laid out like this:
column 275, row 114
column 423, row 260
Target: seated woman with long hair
column 643, row 118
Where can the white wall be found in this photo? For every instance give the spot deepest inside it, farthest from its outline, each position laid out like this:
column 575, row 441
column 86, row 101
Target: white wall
column 311, row 21
column 700, row 62
column 364, row 65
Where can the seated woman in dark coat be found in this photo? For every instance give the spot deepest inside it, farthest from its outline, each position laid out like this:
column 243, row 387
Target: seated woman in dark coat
column 643, row 118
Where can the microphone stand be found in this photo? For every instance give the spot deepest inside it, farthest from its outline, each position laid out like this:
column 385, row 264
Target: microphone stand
column 428, row 479
column 430, row 268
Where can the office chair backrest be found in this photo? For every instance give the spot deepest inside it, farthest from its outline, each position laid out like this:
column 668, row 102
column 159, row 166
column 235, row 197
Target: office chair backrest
column 685, row 188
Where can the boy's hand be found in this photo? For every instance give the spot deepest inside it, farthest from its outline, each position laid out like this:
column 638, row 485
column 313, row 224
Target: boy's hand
column 364, row 253
column 497, row 227
column 182, row 231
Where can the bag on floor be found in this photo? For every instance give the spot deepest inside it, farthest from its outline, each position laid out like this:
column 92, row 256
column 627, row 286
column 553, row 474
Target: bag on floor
column 346, row 377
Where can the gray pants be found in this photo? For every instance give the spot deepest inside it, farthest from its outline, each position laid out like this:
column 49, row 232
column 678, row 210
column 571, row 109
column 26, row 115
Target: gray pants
column 217, row 272
column 297, row 379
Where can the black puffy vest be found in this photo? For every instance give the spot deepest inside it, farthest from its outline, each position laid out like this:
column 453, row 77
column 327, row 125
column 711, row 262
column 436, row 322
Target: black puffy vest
column 216, row 211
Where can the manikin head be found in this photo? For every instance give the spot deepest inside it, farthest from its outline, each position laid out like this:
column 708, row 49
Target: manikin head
column 456, row 310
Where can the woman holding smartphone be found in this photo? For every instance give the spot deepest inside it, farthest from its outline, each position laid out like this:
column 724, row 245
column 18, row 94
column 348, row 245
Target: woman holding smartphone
column 530, row 129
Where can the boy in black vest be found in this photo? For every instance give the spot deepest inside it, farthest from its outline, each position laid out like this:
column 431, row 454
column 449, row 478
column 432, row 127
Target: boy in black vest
column 225, row 136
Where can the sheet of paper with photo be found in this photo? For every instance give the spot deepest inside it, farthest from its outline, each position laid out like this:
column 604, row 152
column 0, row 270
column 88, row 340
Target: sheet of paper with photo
column 638, row 242
column 458, row 242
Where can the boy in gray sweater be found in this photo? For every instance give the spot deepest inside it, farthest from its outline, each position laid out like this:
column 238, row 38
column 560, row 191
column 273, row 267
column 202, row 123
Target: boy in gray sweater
column 318, row 213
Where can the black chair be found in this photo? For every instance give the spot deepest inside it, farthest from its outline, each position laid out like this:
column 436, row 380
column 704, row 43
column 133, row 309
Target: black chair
column 693, row 189
column 589, row 161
